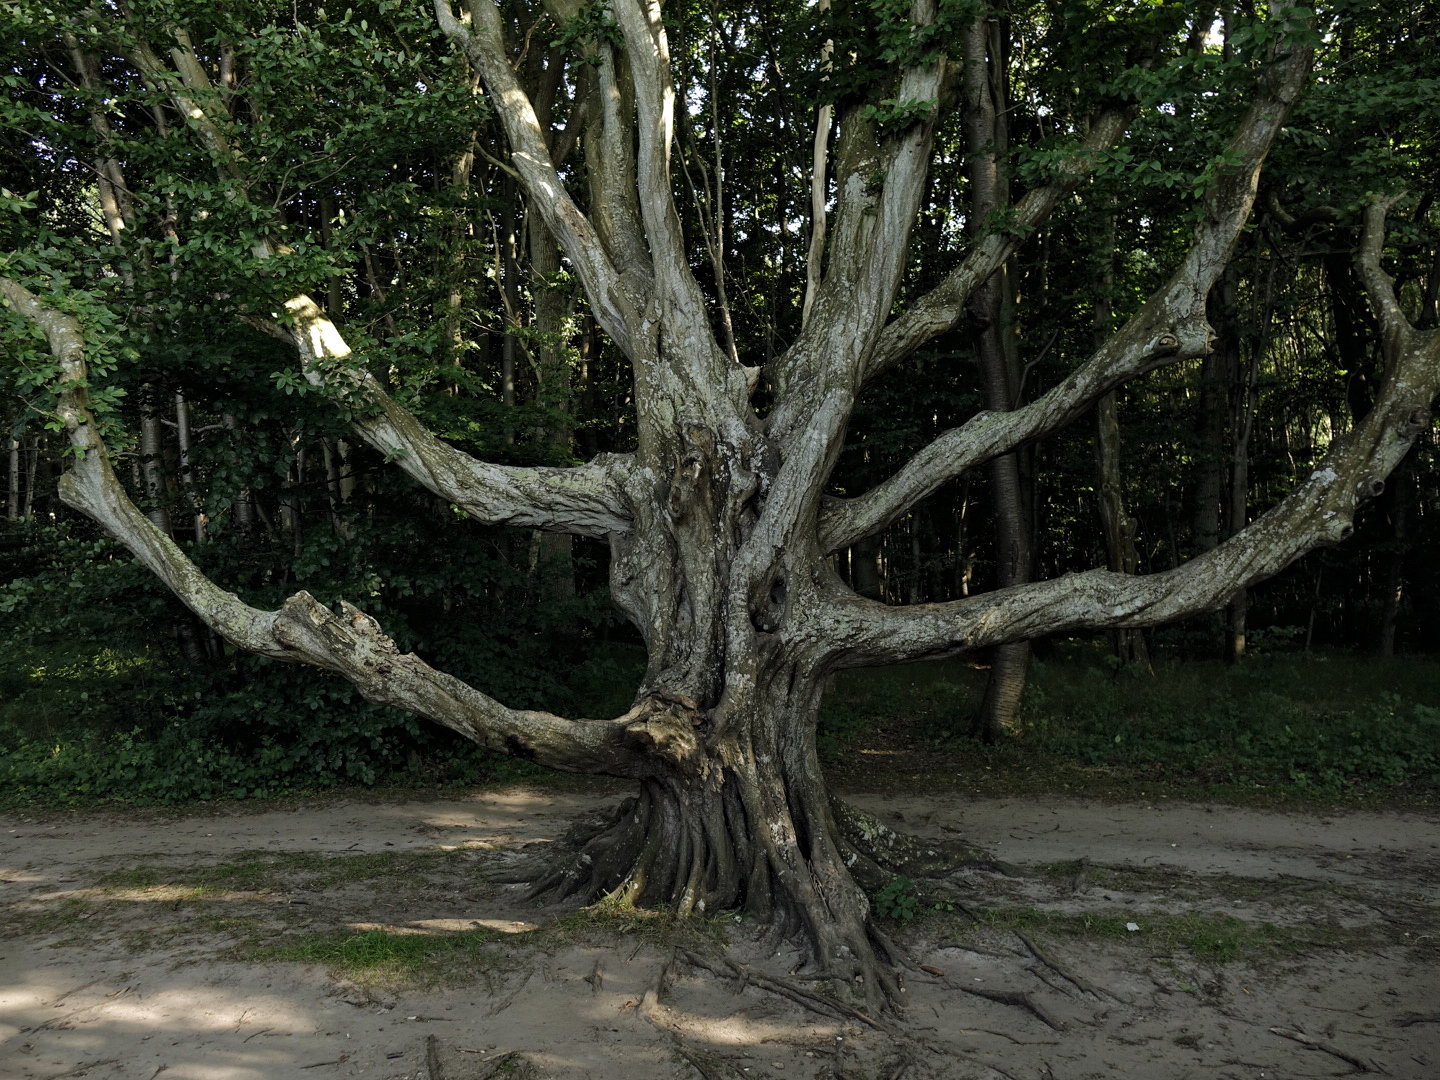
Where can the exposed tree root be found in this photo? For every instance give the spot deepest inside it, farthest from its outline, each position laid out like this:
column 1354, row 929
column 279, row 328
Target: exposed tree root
column 1334, row 1051
column 1099, row 993
column 650, row 1009
column 875, row 853
column 810, row 999
column 1020, row 999
column 723, row 842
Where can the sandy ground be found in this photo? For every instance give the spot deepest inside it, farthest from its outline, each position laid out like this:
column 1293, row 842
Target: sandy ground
column 132, row 978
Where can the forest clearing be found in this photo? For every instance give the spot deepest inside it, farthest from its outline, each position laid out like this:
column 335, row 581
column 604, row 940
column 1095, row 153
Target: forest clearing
column 254, row 944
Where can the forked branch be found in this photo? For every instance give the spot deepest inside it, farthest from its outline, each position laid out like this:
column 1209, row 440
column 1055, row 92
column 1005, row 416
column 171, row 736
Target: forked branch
column 1319, row 511
column 482, row 38
column 1169, row 328
column 305, row 631
column 583, row 500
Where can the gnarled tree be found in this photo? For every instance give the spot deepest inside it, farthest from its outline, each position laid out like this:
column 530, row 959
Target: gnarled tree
column 721, row 530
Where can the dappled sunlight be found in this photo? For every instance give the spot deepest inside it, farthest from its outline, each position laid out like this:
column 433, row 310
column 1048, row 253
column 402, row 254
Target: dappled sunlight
column 437, row 927
column 190, row 1025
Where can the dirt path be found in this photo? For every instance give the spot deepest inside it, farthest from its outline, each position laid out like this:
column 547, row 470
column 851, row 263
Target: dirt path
column 1266, row 945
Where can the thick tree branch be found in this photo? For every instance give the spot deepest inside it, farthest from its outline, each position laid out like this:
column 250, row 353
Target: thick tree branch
column 648, row 51
column 1394, row 327
column 615, row 304
column 880, row 182
column 1154, row 337
column 943, row 307
column 584, row 500
column 305, row 631
column 819, row 374
column 1170, row 327
column 610, row 165
column 1318, row 512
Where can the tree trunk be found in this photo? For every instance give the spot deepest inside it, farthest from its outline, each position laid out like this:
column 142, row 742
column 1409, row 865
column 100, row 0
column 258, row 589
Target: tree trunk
column 187, row 477
column 32, row 468
column 152, row 458
column 987, row 139
column 12, row 493
column 1396, row 510
column 1244, row 404
column 743, row 822
column 243, row 508
column 1117, row 525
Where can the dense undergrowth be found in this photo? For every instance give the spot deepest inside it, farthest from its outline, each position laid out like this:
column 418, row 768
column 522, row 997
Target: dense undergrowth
column 1287, row 726
column 98, row 705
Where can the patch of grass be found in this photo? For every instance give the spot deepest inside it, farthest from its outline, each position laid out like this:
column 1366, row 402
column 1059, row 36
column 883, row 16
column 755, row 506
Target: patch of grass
column 1323, row 725
column 392, row 960
column 613, row 916
column 49, row 917
column 1280, row 730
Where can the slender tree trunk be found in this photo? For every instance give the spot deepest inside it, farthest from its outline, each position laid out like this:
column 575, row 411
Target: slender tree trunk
column 243, row 508
column 1396, row 504
column 987, row 139
column 187, row 476
column 12, row 495
column 1244, row 404
column 1116, row 524
column 32, row 468
column 152, row 458
column 510, row 295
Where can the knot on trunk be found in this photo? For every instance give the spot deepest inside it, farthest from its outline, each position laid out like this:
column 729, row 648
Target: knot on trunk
column 692, row 482
column 1417, row 422
column 666, row 724
column 351, row 642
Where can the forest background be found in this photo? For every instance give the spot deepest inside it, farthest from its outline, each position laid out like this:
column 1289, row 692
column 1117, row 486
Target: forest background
column 1320, row 682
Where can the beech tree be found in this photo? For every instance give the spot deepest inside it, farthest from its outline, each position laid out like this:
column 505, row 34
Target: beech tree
column 721, row 524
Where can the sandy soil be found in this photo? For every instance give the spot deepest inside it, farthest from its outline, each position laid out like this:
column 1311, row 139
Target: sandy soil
column 109, row 969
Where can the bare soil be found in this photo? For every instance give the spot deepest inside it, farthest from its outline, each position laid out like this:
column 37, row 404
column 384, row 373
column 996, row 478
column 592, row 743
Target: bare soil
column 1265, row 945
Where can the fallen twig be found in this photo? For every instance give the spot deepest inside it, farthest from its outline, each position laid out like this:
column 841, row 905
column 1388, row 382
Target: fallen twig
column 74, row 990
column 1334, row 1051
column 509, row 999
